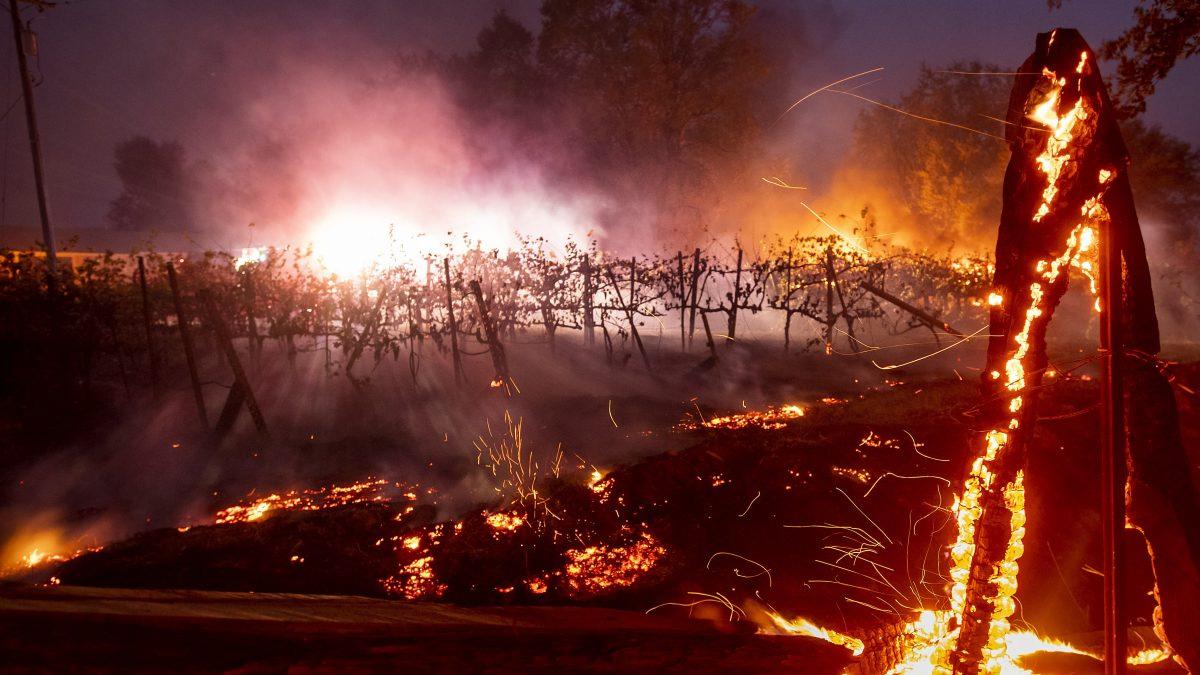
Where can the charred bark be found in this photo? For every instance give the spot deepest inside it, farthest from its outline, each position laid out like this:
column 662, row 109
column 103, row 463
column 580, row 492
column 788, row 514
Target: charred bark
column 1046, row 203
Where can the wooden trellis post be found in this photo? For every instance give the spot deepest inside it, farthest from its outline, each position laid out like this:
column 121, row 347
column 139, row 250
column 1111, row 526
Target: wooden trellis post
column 491, row 337
column 251, row 322
column 241, row 392
column 459, row 376
column 787, row 303
column 148, row 323
column 695, row 298
column 735, row 297
column 917, row 313
column 549, row 321
column 830, row 319
column 683, row 301
column 189, row 350
column 708, row 336
column 589, row 319
column 630, row 308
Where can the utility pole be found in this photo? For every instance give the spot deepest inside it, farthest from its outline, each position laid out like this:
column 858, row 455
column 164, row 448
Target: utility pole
column 35, row 141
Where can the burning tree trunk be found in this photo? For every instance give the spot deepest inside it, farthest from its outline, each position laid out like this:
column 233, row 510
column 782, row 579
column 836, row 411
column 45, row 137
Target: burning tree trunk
column 1162, row 502
column 1065, row 184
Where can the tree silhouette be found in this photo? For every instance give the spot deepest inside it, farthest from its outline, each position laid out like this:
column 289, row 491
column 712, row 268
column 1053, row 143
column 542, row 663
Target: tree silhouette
column 155, row 186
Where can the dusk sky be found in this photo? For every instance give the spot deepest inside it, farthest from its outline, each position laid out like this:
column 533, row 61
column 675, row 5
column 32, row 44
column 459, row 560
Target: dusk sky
column 110, row 70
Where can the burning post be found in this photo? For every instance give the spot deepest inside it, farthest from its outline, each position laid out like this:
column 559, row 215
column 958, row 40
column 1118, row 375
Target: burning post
column 1066, row 194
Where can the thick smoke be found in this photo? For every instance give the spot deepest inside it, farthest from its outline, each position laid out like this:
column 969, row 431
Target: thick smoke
column 312, row 139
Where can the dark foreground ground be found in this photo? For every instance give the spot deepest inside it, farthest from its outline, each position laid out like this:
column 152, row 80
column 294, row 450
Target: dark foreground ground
column 102, row 630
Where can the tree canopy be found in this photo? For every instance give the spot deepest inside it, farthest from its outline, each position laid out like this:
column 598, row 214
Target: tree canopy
column 949, row 178
column 654, row 99
column 1163, row 32
column 156, row 189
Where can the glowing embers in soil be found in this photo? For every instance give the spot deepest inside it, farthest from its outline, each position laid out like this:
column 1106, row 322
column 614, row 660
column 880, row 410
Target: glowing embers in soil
column 771, row 418
column 370, row 490
column 583, row 571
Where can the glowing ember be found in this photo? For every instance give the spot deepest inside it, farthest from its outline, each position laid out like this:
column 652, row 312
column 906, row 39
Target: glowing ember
column 37, row 556
column 595, row 569
column 771, row 418
column 1149, row 655
column 507, row 522
column 416, row 580
column 306, row 500
column 856, row 475
column 873, row 441
column 802, row 626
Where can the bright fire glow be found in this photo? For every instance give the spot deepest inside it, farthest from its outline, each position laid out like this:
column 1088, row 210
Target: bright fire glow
column 802, row 626
column 921, row 637
column 349, row 241
column 250, row 255
column 507, row 522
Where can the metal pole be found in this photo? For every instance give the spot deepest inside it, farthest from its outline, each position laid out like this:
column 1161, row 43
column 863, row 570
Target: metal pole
column 35, row 142
column 1113, row 468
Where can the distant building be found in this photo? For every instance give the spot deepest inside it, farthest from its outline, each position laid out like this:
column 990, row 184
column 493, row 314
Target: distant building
column 76, row 246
